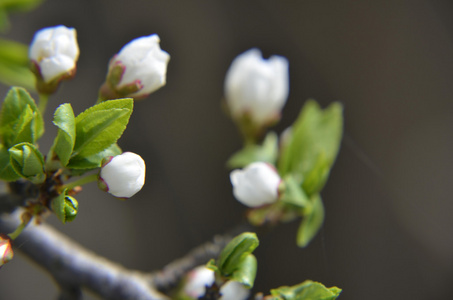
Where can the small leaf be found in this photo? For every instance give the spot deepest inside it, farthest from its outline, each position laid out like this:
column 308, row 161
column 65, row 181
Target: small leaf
column 246, row 271
column 317, row 177
column 28, row 162
column 100, row 126
column 267, row 152
column 311, row 223
column 236, row 251
column 7, row 172
column 14, row 62
column 65, row 207
column 94, row 161
column 293, row 194
column 20, row 119
column 315, row 135
column 308, row 290
column 64, row 142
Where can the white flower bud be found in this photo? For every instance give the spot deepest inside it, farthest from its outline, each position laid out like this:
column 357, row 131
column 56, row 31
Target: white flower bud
column 201, row 277
column 6, row 251
column 256, row 185
column 257, row 87
column 139, row 69
column 54, row 52
column 123, row 175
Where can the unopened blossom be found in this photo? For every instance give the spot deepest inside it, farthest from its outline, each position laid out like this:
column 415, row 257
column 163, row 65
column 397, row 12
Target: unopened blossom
column 123, row 175
column 257, row 87
column 54, row 52
column 6, row 251
column 139, row 69
column 201, row 277
column 256, row 185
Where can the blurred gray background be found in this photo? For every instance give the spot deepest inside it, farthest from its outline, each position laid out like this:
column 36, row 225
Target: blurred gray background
column 388, row 232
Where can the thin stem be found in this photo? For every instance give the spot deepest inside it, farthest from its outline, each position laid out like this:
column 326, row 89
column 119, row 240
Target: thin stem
column 26, row 218
column 43, row 99
column 79, row 182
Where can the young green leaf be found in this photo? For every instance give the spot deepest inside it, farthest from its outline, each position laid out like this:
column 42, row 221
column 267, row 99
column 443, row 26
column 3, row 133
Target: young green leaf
column 316, row 133
column 94, row 161
column 266, row 152
column 293, row 194
column 307, row 290
column 20, row 119
column 14, row 63
column 311, row 223
column 100, row 126
column 28, row 162
column 245, row 272
column 7, row 172
column 236, row 251
column 64, row 142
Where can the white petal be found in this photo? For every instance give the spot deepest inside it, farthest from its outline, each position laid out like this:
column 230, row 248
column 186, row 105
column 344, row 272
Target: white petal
column 124, row 175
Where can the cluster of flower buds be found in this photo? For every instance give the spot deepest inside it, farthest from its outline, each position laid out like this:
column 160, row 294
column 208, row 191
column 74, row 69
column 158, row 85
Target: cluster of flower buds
column 139, row 69
column 202, row 277
column 256, row 90
column 122, row 175
column 256, row 185
column 6, row 251
column 53, row 54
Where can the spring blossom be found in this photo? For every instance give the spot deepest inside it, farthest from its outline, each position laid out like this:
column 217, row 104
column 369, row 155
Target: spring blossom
column 123, row 175
column 257, row 87
column 256, row 185
column 201, row 277
column 139, row 69
column 54, row 52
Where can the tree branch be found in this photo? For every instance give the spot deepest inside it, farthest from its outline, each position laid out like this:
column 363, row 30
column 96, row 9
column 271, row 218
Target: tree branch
column 73, row 266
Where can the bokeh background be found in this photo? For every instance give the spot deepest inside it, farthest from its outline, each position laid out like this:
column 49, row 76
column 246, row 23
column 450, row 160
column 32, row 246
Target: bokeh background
column 388, row 232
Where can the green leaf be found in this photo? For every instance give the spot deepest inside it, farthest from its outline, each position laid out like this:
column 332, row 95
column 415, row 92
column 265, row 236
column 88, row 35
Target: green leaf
column 28, row 162
column 94, row 161
column 64, row 142
column 100, row 126
column 293, row 194
column 20, row 119
column 267, row 152
column 311, row 223
column 317, row 177
column 14, row 62
column 236, row 251
column 7, row 172
column 19, row 5
column 314, row 143
column 65, row 207
column 308, row 290
column 246, row 271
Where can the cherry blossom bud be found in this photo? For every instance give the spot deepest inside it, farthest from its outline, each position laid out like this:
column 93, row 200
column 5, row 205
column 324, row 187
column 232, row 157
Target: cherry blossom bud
column 123, row 175
column 139, row 69
column 6, row 251
column 256, row 185
column 257, row 88
column 201, row 277
column 54, row 52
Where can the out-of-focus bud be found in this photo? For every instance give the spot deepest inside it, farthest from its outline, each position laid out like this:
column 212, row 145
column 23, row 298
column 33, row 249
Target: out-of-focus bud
column 122, row 175
column 257, row 88
column 6, row 251
column 256, row 185
column 139, row 69
column 201, row 277
column 71, row 207
column 53, row 53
